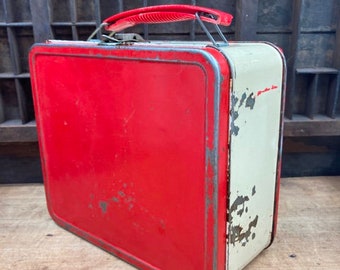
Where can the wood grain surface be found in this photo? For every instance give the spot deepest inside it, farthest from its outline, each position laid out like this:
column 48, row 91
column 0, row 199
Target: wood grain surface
column 308, row 234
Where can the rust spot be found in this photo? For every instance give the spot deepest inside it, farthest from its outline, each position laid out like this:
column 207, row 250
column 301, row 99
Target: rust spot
column 240, row 201
column 115, row 199
column 121, row 193
column 91, row 201
column 103, row 206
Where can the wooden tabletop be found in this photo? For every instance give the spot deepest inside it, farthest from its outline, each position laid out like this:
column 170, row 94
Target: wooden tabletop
column 308, row 234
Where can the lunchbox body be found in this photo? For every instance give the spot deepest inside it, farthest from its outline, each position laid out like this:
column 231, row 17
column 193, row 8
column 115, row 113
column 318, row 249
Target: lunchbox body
column 165, row 154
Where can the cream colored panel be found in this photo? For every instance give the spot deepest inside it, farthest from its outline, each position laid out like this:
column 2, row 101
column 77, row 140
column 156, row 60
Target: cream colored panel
column 255, row 125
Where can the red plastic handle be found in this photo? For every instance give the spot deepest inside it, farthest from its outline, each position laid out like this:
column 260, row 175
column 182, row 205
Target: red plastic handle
column 165, row 14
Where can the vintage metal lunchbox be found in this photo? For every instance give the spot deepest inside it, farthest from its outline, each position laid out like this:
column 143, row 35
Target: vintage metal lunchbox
column 166, row 154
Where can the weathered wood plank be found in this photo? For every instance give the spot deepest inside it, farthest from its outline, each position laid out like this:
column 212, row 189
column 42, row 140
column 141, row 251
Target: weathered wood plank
column 291, row 61
column 317, row 70
column 311, row 96
column 41, row 21
column 246, row 20
column 20, row 163
column 319, row 126
column 336, row 56
column 14, row 131
column 307, row 236
column 333, row 96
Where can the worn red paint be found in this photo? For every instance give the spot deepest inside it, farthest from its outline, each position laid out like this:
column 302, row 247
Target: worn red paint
column 267, row 89
column 138, row 145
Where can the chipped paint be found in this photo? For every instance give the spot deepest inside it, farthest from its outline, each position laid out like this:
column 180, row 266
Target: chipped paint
column 234, row 115
column 250, row 102
column 236, row 104
column 121, row 193
column 103, row 206
column 243, row 98
column 115, row 199
column 122, row 198
column 240, row 201
column 238, row 233
column 233, row 128
column 91, row 201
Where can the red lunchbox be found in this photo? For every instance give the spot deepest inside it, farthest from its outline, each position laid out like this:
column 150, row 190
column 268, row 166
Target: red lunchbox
column 167, row 153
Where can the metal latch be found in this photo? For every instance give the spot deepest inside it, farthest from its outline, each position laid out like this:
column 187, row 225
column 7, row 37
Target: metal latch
column 117, row 38
column 122, row 38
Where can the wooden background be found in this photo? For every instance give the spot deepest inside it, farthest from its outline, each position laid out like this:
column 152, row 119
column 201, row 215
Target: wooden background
column 306, row 30
column 308, row 235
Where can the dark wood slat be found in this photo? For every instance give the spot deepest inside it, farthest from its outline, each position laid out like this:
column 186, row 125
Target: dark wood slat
column 13, row 44
column 317, row 70
column 14, row 50
column 320, row 30
column 14, row 131
column 73, row 13
column 74, row 33
column 311, row 96
column 9, row 75
column 8, row 10
column 2, row 112
column 120, row 5
column 193, row 25
column 336, row 57
column 15, row 24
column 73, row 24
column 320, row 126
column 97, row 16
column 333, row 95
column 22, row 101
column 41, row 21
column 246, row 20
column 73, row 10
column 291, row 61
column 19, row 162
column 145, row 26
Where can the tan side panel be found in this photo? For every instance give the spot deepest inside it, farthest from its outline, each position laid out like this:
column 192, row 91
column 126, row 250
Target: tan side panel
column 254, row 137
